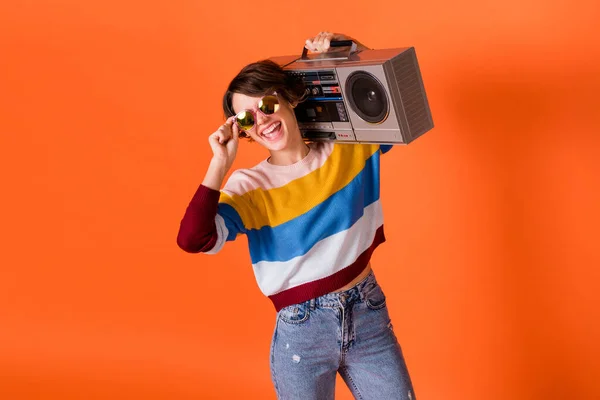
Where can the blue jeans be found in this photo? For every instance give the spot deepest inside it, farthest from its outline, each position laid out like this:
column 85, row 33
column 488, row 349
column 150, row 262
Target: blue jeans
column 348, row 332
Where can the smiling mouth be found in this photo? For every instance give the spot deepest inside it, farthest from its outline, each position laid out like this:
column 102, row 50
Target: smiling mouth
column 271, row 131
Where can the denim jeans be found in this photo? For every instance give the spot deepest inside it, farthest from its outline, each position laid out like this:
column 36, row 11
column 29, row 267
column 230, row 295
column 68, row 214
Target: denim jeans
column 349, row 332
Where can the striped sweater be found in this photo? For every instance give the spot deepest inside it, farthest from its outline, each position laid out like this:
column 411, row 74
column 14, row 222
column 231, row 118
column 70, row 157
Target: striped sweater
column 311, row 226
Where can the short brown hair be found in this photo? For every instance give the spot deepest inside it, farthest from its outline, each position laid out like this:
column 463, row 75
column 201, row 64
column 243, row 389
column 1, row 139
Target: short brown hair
column 260, row 79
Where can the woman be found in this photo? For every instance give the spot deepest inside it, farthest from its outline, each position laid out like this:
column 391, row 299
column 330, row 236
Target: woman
column 313, row 218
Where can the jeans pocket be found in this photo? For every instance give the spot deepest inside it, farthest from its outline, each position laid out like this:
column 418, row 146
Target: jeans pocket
column 294, row 314
column 375, row 298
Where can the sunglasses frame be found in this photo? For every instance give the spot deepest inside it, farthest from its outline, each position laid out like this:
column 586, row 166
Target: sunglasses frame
column 257, row 109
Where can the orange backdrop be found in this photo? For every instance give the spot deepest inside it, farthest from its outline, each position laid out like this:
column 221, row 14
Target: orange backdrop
column 491, row 265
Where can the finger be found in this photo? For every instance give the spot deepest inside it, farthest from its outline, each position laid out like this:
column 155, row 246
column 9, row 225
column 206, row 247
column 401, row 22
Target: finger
column 220, row 137
column 235, row 135
column 213, row 140
column 327, row 41
column 324, row 41
column 228, row 123
column 236, row 131
column 226, row 128
column 314, row 42
column 319, row 41
column 232, row 144
column 310, row 44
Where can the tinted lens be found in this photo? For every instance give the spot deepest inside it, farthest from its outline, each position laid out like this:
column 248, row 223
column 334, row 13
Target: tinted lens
column 268, row 104
column 245, row 120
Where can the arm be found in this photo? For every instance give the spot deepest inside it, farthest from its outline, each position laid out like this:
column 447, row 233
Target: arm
column 199, row 228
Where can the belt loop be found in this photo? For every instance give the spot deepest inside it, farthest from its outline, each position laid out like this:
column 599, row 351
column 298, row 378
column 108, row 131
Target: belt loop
column 361, row 290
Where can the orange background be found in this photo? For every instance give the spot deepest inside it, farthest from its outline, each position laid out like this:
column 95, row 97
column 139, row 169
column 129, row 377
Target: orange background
column 491, row 266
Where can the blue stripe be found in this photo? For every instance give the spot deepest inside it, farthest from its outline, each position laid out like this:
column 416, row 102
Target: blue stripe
column 385, row 148
column 233, row 221
column 324, row 98
column 336, row 214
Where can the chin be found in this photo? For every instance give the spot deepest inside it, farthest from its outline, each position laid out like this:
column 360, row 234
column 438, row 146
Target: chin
column 278, row 146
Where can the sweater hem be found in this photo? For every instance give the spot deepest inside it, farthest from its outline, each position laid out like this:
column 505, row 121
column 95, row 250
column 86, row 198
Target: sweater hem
column 323, row 286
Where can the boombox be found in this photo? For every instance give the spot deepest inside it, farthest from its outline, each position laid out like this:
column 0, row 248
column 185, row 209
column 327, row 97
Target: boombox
column 371, row 96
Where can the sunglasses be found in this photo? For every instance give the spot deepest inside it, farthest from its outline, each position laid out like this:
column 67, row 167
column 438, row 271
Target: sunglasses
column 267, row 105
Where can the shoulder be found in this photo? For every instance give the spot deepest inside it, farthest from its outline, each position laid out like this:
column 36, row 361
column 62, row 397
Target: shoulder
column 358, row 151
column 320, row 147
column 242, row 181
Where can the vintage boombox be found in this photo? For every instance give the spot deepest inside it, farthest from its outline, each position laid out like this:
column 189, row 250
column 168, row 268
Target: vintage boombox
column 371, row 96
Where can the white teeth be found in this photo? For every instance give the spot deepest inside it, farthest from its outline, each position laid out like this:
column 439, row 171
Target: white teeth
column 270, row 128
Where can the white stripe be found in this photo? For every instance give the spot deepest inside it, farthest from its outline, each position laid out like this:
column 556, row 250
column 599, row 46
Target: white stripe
column 245, row 180
column 327, row 257
column 222, row 233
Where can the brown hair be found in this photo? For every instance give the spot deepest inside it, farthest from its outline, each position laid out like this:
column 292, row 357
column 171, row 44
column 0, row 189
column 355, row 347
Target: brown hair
column 262, row 78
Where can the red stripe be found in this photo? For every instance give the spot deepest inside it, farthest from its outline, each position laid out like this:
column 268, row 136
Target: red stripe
column 329, row 284
column 197, row 230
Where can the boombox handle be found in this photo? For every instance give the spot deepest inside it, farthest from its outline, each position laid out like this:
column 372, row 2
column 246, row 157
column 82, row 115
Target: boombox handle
column 330, row 56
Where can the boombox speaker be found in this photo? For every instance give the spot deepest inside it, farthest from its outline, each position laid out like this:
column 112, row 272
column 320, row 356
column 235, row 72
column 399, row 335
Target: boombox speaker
column 371, row 96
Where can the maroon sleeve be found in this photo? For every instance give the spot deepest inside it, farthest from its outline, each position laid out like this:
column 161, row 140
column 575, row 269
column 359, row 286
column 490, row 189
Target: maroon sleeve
column 198, row 231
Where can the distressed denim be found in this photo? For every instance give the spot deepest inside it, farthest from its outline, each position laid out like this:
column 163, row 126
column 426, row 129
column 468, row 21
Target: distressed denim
column 349, row 333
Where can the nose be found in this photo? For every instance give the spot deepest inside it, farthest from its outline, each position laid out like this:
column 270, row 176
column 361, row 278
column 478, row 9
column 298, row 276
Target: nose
column 260, row 118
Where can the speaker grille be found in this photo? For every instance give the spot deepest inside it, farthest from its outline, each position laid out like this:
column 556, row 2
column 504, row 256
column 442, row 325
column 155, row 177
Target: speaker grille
column 412, row 93
column 366, row 96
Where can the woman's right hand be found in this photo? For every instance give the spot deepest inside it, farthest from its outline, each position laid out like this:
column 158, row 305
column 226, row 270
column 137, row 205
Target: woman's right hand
column 224, row 142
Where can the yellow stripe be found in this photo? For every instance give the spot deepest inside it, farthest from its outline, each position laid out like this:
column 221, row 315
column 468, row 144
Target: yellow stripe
column 246, row 212
column 277, row 206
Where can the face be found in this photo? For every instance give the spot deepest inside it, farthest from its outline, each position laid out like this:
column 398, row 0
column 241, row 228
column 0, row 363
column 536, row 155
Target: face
column 277, row 131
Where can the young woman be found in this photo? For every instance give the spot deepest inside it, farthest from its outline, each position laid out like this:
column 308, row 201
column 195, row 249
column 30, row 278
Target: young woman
column 312, row 215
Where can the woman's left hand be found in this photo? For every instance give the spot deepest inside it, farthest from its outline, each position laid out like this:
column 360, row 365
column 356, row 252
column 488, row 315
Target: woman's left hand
column 321, row 42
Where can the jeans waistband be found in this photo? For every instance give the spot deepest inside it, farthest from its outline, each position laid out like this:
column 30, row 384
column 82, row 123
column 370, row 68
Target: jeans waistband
column 352, row 295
